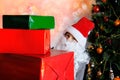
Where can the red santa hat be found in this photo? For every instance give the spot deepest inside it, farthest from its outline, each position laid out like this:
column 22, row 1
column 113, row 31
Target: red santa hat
column 81, row 29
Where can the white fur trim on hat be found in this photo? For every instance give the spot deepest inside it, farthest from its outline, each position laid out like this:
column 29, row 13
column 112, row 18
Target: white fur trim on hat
column 77, row 35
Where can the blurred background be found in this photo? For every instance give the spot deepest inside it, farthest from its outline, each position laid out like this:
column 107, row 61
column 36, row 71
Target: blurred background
column 66, row 12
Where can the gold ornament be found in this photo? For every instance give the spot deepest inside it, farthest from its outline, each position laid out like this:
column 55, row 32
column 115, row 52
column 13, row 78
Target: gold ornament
column 99, row 73
column 89, row 69
column 117, row 78
column 117, row 22
column 90, row 47
column 102, row 28
column 99, row 49
column 89, row 78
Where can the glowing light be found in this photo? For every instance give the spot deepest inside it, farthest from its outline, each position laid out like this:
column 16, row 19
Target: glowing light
column 84, row 6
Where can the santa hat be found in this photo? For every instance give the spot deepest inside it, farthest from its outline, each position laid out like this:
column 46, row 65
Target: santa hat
column 80, row 30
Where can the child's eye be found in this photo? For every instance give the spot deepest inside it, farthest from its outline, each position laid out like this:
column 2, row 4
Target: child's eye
column 75, row 39
column 67, row 35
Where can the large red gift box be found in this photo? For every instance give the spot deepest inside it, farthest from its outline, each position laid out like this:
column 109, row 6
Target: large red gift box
column 24, row 41
column 58, row 65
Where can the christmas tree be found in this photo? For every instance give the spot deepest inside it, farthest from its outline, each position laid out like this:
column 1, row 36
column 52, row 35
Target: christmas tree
column 104, row 48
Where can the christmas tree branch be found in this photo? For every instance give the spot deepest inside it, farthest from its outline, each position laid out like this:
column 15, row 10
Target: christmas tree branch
column 114, row 12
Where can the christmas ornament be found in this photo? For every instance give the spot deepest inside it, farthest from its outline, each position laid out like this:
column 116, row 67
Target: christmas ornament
column 101, row 62
column 99, row 50
column 89, row 69
column 92, row 64
column 108, row 41
column 111, row 74
column 97, row 34
column 89, row 72
column 96, row 8
column 117, row 22
column 90, row 47
column 117, row 78
column 114, row 52
column 106, row 18
column 89, row 78
column 101, row 28
column 104, row 1
column 114, row 2
column 99, row 73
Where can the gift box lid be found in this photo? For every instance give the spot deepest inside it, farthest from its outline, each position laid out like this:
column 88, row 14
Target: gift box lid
column 28, row 22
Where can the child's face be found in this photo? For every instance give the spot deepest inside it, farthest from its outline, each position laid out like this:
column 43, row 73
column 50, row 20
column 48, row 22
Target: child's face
column 70, row 37
column 67, row 42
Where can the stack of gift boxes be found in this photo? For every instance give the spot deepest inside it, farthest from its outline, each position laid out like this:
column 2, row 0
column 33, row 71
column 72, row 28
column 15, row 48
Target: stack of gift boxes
column 25, row 52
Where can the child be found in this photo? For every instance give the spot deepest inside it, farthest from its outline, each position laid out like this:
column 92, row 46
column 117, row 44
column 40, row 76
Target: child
column 74, row 39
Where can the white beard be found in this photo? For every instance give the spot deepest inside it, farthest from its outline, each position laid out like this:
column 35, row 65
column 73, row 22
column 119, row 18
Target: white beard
column 79, row 52
column 64, row 44
column 80, row 56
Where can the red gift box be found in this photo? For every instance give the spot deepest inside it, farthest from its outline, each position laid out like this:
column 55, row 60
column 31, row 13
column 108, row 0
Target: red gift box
column 24, row 41
column 58, row 65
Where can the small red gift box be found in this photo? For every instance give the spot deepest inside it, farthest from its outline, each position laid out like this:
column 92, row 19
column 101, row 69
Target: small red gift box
column 58, row 65
column 24, row 41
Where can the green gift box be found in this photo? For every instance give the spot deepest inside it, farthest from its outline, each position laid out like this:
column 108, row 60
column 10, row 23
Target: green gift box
column 28, row 22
